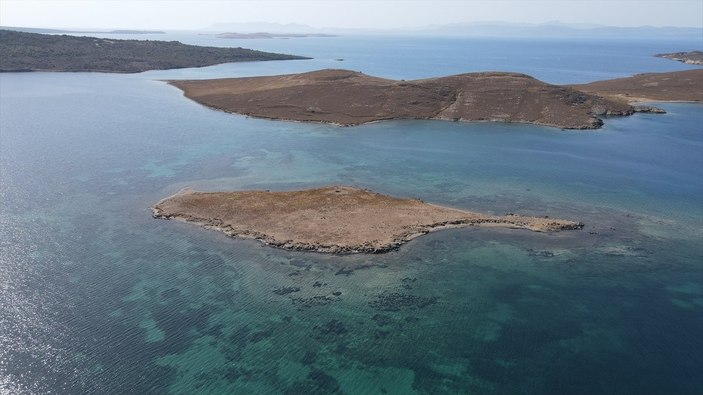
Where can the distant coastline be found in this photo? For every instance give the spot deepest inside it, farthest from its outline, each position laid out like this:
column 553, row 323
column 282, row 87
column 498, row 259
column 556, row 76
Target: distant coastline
column 22, row 52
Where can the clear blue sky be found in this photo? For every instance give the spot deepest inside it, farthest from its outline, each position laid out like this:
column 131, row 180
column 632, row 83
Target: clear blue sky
column 386, row 14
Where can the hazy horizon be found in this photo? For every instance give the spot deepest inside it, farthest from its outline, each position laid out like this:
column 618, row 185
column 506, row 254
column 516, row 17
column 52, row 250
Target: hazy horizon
column 381, row 15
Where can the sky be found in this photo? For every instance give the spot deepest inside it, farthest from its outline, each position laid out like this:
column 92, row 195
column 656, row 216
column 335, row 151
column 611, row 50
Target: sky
column 376, row 14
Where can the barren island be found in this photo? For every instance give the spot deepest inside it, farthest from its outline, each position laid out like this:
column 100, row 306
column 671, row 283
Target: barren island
column 349, row 98
column 337, row 219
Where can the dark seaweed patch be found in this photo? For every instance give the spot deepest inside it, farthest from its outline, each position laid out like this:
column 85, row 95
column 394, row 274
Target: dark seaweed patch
column 309, row 358
column 319, row 300
column 382, row 319
column 317, row 383
column 261, row 335
column 395, row 301
column 285, row 290
column 331, row 328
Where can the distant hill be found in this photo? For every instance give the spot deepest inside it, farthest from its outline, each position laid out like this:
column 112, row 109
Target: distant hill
column 255, row 27
column 126, row 31
column 554, row 29
column 42, row 30
column 21, row 51
column 265, row 35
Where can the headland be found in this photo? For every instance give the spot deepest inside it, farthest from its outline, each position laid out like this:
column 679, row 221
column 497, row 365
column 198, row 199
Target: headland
column 691, row 57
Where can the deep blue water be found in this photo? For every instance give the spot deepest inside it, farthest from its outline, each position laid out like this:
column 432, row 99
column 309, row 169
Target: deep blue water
column 98, row 297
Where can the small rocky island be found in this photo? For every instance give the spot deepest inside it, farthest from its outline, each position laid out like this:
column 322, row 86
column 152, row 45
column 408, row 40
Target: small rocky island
column 692, row 57
column 266, row 35
column 20, row 51
column 336, row 219
column 350, row 98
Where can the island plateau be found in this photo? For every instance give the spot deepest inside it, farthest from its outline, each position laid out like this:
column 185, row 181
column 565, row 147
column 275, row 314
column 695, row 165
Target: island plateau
column 348, row 98
column 336, row 219
column 20, row 51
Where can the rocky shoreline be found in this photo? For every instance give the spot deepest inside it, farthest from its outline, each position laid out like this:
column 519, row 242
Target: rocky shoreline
column 692, row 57
column 338, row 220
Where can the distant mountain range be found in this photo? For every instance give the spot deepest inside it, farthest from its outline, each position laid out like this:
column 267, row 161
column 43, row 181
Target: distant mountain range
column 477, row 29
column 255, row 27
column 555, row 29
column 472, row 29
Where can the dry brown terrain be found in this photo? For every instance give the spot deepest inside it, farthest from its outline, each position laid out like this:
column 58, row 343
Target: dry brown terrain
column 331, row 219
column 351, row 98
column 674, row 86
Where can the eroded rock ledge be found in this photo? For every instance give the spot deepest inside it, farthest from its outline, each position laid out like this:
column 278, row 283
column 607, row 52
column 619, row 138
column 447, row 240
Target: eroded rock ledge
column 336, row 219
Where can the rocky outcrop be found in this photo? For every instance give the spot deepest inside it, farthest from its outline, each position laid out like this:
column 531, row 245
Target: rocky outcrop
column 692, row 57
column 649, row 109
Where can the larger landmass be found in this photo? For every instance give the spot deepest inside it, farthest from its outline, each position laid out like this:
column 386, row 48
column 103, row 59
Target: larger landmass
column 332, row 219
column 21, row 51
column 41, row 30
column 674, row 86
column 350, row 98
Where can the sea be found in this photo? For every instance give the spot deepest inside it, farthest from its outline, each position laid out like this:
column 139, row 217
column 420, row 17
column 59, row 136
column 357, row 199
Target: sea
column 98, row 297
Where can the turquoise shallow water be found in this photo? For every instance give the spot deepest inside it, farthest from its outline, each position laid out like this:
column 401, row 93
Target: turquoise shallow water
column 98, row 297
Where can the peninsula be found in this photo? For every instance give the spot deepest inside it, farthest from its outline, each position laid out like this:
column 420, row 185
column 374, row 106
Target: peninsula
column 350, row 98
column 335, row 219
column 20, row 51
column 674, row 86
column 692, row 57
